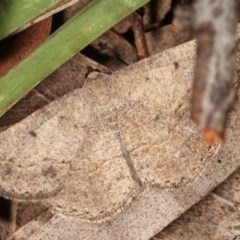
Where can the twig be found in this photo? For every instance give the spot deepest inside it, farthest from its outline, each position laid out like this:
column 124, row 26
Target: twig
column 139, row 35
column 214, row 23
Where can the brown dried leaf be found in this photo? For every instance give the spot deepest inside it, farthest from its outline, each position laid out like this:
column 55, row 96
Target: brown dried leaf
column 32, row 226
column 213, row 218
column 18, row 47
column 117, row 52
column 155, row 11
column 22, row 213
column 166, row 37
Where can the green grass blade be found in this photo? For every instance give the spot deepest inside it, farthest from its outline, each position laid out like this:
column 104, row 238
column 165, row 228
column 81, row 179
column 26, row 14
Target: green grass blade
column 16, row 13
column 83, row 28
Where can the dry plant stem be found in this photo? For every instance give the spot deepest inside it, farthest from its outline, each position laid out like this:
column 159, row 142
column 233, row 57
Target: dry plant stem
column 139, row 35
column 215, row 25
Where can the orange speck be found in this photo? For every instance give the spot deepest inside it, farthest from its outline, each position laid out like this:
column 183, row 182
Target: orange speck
column 212, row 136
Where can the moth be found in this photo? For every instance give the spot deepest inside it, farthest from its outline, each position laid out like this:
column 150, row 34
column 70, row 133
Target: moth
column 119, row 155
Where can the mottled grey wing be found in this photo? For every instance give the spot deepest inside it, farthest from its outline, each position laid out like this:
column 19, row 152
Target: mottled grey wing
column 91, row 152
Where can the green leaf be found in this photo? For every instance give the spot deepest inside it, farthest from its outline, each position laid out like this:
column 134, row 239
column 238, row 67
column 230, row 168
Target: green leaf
column 78, row 32
column 14, row 14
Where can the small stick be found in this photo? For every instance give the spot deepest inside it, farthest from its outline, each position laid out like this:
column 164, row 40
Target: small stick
column 214, row 23
column 139, row 35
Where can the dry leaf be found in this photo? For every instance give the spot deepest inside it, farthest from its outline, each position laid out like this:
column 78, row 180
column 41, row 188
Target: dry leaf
column 215, row 217
column 212, row 218
column 113, row 50
column 32, row 226
column 18, row 47
column 166, row 37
